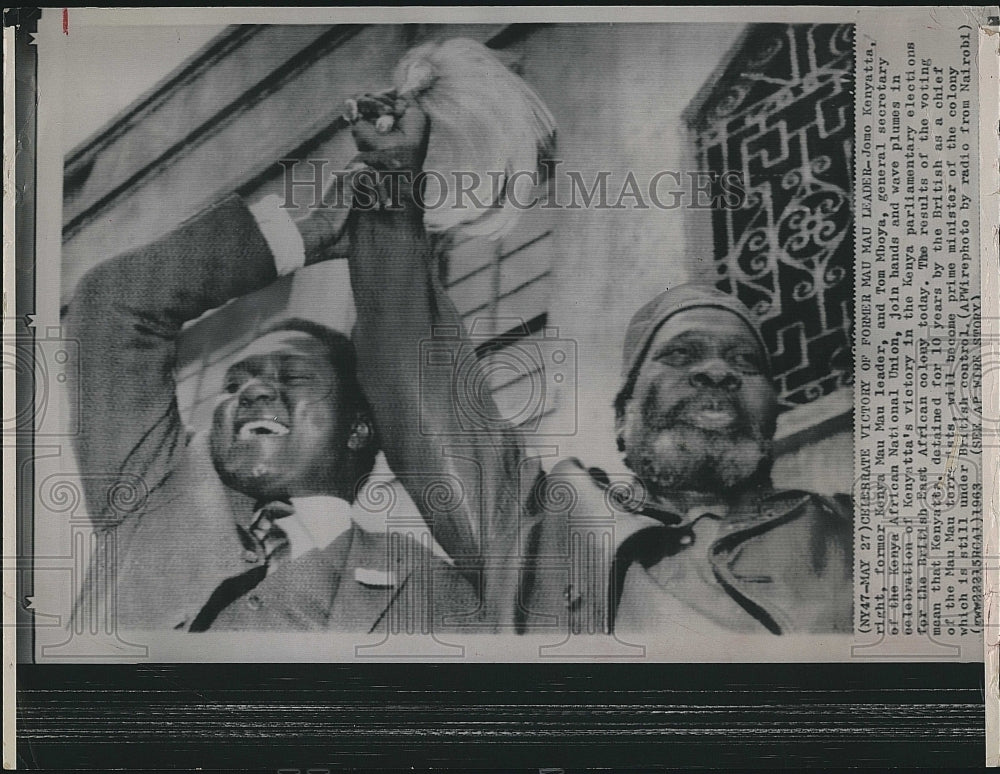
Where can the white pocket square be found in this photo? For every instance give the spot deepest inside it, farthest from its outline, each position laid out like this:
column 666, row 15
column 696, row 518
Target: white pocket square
column 380, row 578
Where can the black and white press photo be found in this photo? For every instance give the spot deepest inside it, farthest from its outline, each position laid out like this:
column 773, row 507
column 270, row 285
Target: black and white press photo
column 525, row 341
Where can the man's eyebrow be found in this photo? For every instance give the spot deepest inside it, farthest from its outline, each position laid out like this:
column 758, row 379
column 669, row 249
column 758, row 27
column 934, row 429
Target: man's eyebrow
column 241, row 365
column 246, row 364
column 729, row 340
column 235, row 371
column 689, row 335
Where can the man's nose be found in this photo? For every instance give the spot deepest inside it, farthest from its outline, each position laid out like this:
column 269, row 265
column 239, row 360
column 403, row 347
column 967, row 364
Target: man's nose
column 715, row 373
column 257, row 390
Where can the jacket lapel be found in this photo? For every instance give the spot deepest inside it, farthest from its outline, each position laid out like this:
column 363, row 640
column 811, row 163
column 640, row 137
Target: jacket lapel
column 751, row 585
column 370, row 584
column 181, row 549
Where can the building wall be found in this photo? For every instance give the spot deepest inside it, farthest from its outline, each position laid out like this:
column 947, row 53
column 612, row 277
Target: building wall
column 258, row 94
column 618, row 93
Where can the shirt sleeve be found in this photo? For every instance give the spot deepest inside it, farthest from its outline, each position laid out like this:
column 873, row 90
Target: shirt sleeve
column 128, row 312
column 401, row 303
column 281, row 234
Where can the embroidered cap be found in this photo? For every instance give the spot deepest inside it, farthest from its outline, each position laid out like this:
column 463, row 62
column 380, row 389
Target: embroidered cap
column 647, row 321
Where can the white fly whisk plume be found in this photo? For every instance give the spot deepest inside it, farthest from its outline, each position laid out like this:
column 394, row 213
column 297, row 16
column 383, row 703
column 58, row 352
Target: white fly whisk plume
column 483, row 119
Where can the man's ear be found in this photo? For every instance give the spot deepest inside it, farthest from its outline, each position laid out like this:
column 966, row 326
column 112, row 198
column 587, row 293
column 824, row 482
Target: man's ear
column 362, row 434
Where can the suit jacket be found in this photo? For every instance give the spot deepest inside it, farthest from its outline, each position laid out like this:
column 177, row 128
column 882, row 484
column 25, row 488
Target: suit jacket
column 362, row 582
column 168, row 532
column 784, row 556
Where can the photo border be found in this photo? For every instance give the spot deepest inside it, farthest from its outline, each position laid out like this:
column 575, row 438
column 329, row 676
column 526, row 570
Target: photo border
column 334, row 716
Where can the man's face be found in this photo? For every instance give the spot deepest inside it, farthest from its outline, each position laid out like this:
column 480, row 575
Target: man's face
column 279, row 430
column 703, row 410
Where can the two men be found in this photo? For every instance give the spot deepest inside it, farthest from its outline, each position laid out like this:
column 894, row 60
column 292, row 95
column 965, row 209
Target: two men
column 695, row 532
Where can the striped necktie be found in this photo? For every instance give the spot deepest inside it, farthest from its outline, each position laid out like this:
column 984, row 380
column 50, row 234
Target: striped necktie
column 273, row 544
column 271, row 538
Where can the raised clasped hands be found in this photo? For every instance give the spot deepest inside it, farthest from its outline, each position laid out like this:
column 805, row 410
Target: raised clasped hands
column 391, row 133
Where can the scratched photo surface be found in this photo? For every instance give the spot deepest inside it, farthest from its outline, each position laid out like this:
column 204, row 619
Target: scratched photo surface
column 430, row 341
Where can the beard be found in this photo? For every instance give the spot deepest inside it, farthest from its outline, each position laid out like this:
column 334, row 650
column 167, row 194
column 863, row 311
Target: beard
column 669, row 453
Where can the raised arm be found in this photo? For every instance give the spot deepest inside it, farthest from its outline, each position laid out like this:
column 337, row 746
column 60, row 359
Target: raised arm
column 401, row 303
column 127, row 313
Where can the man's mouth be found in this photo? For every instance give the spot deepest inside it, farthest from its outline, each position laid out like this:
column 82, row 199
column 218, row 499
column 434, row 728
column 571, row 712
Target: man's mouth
column 257, row 428
column 713, row 419
column 713, row 413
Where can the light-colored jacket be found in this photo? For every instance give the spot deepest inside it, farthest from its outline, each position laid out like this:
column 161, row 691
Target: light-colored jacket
column 785, row 556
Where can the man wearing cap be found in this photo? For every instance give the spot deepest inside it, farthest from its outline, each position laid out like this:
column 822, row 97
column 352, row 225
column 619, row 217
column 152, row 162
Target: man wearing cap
column 694, row 540
column 256, row 524
column 694, row 536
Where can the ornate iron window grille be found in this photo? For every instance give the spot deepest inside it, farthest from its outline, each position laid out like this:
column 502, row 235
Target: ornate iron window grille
column 782, row 115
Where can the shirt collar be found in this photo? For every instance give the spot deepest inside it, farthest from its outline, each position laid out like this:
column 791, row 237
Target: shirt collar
column 660, row 512
column 318, row 520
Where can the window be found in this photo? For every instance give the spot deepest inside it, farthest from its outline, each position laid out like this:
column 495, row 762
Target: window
column 781, row 112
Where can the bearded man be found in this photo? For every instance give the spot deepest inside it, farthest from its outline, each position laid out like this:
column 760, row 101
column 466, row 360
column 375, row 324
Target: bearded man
column 695, row 537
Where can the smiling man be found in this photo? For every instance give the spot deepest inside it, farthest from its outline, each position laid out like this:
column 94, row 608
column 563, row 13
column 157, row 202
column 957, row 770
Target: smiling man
column 287, row 405
column 695, row 541
column 256, row 524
